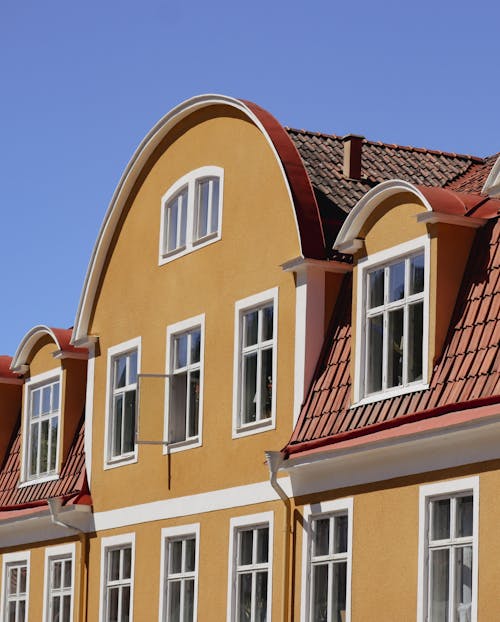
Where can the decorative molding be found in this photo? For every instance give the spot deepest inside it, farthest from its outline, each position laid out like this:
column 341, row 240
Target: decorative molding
column 451, row 219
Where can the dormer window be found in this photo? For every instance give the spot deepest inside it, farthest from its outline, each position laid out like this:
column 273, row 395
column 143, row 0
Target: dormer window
column 392, row 321
column 191, row 213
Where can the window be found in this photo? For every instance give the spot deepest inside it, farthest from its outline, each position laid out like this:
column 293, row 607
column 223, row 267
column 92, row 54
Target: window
column 251, row 556
column 185, row 381
column 15, row 587
column 123, row 369
column 191, row 213
column 117, row 571
column 450, row 556
column 178, row 600
column 327, row 562
column 59, row 568
column 394, row 321
column 256, row 327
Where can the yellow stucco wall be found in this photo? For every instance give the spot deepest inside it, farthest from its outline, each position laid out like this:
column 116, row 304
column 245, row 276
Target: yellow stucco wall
column 258, row 234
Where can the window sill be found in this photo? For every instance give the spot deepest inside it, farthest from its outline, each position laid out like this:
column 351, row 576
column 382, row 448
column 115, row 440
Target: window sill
column 257, row 427
column 120, row 461
column 186, row 250
column 385, row 395
column 39, row 480
column 190, row 443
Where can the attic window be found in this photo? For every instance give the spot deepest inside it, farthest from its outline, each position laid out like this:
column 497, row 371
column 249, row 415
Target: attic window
column 392, row 322
column 191, row 213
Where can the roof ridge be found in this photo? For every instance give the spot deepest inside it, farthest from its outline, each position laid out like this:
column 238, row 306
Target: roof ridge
column 378, row 143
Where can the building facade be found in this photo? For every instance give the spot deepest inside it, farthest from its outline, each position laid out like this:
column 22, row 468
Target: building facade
column 280, row 396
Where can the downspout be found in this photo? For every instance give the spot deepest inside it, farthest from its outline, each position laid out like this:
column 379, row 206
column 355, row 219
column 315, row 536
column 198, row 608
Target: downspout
column 55, row 504
column 274, row 461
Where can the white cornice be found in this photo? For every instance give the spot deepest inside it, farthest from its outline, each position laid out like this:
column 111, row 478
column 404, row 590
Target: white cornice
column 451, row 219
column 298, row 264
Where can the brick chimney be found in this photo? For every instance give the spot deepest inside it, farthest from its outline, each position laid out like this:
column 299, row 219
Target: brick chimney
column 353, row 144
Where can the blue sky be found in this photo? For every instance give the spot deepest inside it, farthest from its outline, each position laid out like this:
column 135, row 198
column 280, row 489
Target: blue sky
column 82, row 83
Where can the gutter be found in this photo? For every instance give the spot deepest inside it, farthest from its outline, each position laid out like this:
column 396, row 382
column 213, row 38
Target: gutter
column 274, row 461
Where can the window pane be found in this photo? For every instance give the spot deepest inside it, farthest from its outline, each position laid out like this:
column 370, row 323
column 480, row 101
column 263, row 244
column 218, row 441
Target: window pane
column 262, row 545
column 194, row 402
column 246, row 547
column 129, row 422
column 374, row 354
column 127, row 563
column 375, row 288
column 35, row 403
column 440, row 519
column 339, row 583
column 125, row 604
column 250, row 328
column 55, row 397
column 182, row 234
column 13, row 576
column 321, row 536
column 439, row 587
column 249, row 388
column 174, row 601
column 46, row 392
column 195, row 346
column 53, row 443
column 120, row 372
column 56, row 609
column 266, row 387
column 117, row 425
column 132, row 367
column 267, row 323
column 415, row 338
column 66, row 617
column 202, row 207
column 22, row 579
column 34, row 449
column 181, row 344
column 464, row 516
column 395, row 349
column 190, row 554
column 261, row 597
column 113, row 605
column 172, row 217
column 175, row 556
column 56, row 575
column 244, row 598
column 22, row 611
column 417, row 274
column 67, row 573
column 178, row 402
column 214, row 221
column 463, row 587
column 188, row 600
column 340, row 534
column 114, row 565
column 12, row 612
column 44, row 445
column 320, row 593
column 397, row 281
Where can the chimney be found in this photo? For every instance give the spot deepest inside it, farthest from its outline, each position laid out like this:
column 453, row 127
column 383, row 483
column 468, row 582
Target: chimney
column 352, row 155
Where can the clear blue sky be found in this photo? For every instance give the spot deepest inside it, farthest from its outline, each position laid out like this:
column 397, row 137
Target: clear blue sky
column 83, row 82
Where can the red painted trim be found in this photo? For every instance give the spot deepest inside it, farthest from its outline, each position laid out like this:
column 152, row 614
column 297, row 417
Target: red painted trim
column 306, row 208
column 307, row 446
column 445, row 201
column 74, row 498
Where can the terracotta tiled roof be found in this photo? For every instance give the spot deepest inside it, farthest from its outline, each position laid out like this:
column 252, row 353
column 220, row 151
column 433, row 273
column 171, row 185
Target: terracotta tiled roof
column 473, row 180
column 70, row 485
column 323, row 156
column 468, row 370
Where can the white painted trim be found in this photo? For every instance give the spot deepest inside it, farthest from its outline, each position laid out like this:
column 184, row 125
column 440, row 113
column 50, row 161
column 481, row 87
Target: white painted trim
column 383, row 258
column 114, row 351
column 28, row 342
column 170, row 533
column 427, row 492
column 246, row 304
column 47, row 377
column 191, row 505
column 172, row 330
column 365, row 206
column 15, row 558
column 236, row 524
column 107, row 544
column 311, row 512
column 89, row 413
column 492, row 184
column 190, row 180
column 302, row 263
column 127, row 181
column 63, row 551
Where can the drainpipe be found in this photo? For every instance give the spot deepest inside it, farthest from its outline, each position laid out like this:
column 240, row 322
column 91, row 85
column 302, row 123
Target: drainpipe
column 55, row 504
column 274, row 461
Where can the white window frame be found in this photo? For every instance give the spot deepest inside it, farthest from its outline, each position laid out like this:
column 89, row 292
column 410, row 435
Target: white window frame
column 242, row 523
column 241, row 307
column 113, row 353
column 173, row 330
column 312, row 512
column 190, row 180
column 35, row 382
column 177, row 533
column 428, row 493
column 108, row 544
column 364, row 266
column 57, row 553
column 15, row 559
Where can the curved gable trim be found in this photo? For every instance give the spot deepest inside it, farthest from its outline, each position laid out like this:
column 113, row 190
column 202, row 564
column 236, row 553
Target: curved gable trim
column 300, row 191
column 60, row 337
